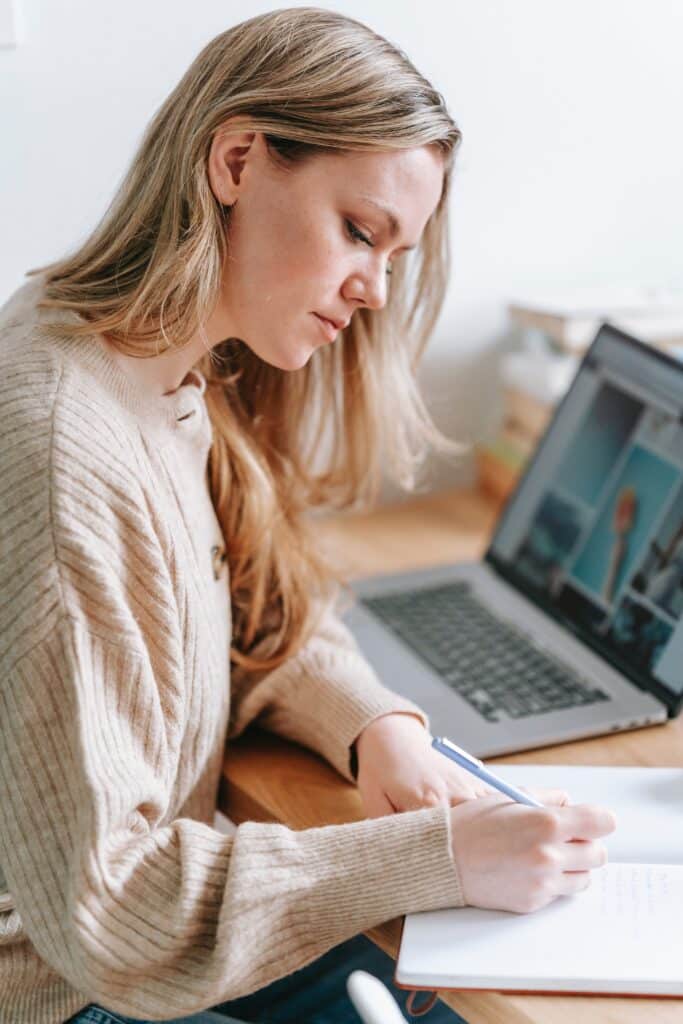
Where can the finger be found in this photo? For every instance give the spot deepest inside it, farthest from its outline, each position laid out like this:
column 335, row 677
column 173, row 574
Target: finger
column 458, row 790
column 460, row 784
column 584, row 821
column 460, row 793
column 551, row 797
column 461, row 797
column 582, row 855
column 472, row 785
column 570, row 882
column 483, row 789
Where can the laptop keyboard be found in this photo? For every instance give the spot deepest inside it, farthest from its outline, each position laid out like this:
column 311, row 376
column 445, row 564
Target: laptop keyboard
column 490, row 663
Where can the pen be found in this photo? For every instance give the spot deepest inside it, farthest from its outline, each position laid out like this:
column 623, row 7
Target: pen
column 476, row 767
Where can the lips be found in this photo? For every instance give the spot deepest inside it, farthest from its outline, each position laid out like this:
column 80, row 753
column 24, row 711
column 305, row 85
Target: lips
column 339, row 324
column 329, row 327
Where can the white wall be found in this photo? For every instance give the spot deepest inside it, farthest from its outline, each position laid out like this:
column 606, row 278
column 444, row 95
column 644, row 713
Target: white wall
column 570, row 170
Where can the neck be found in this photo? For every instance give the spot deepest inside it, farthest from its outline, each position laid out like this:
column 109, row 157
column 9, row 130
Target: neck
column 165, row 373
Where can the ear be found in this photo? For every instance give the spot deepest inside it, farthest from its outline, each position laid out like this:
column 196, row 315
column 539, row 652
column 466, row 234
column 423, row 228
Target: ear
column 230, row 152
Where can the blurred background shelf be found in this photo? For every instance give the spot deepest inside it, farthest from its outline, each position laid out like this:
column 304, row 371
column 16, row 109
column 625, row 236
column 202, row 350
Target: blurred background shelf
column 552, row 333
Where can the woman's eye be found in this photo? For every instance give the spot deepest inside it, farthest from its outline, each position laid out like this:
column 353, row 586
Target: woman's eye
column 357, row 235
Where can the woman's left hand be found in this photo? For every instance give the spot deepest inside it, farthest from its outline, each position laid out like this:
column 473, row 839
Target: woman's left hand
column 399, row 770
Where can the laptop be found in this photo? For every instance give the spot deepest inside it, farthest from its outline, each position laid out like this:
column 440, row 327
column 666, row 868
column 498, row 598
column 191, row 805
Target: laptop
column 572, row 624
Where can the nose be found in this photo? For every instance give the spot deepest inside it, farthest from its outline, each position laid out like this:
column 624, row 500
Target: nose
column 368, row 288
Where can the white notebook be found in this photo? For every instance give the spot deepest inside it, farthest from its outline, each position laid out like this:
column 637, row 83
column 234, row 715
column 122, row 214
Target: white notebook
column 621, row 935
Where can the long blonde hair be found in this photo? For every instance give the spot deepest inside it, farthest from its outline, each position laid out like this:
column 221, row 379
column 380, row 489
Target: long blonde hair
column 312, row 81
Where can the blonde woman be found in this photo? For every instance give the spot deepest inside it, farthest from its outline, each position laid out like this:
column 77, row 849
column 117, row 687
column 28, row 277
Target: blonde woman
column 165, row 390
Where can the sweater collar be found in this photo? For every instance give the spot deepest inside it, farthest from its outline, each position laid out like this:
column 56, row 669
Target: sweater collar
column 163, row 415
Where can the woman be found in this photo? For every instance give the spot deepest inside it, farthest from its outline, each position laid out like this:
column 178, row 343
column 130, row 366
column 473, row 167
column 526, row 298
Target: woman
column 223, row 354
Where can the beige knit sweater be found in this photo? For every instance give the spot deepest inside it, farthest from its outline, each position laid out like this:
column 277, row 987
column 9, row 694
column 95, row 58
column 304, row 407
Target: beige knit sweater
column 115, row 705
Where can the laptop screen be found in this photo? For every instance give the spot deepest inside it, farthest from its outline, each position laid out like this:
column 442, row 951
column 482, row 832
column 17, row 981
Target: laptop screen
column 594, row 531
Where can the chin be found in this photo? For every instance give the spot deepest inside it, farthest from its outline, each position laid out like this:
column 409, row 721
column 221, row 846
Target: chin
column 290, row 359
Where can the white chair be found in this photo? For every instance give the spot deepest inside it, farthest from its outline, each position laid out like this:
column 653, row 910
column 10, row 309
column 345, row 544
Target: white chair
column 372, row 1000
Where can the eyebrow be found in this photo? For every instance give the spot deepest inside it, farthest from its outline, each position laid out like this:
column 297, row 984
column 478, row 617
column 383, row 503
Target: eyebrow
column 389, row 213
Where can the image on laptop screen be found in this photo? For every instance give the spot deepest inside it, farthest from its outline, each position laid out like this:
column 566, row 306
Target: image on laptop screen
column 595, row 529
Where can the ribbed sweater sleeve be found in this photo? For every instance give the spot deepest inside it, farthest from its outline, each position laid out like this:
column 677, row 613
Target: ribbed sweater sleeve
column 323, row 697
column 157, row 920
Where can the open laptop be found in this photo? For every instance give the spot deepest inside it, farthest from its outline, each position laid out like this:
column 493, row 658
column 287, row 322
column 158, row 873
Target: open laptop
column 572, row 625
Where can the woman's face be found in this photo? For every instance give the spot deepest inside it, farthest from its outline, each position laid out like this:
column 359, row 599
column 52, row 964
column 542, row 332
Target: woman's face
column 312, row 242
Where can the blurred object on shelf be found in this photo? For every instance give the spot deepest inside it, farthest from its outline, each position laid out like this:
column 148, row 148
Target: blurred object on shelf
column 533, row 382
column 541, row 373
column 553, row 331
column 501, row 461
column 570, row 319
column 527, row 412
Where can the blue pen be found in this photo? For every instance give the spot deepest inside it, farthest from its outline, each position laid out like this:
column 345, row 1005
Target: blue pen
column 476, row 767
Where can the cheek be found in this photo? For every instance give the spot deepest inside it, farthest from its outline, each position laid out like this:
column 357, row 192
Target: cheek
column 295, row 281
column 281, row 268
column 306, row 250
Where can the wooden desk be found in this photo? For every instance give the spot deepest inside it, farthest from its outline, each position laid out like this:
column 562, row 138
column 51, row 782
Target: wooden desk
column 267, row 779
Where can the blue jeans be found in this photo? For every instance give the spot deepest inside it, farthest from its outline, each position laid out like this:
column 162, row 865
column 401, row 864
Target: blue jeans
column 98, row 1015
column 314, row 995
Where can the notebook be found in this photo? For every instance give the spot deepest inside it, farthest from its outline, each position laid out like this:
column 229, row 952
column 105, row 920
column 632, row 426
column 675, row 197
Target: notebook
column 621, row 935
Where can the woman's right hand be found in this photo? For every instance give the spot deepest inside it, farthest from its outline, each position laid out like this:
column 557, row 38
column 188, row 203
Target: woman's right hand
column 514, row 857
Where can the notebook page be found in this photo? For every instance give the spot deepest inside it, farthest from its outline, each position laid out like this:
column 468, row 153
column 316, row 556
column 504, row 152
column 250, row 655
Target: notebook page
column 648, row 803
column 622, row 934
